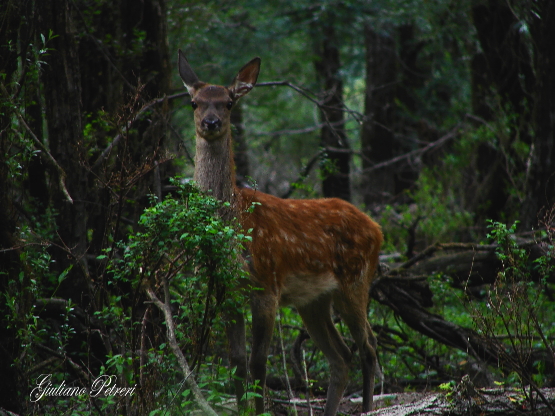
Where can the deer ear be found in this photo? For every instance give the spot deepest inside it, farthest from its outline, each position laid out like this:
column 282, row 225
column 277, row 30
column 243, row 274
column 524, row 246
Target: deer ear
column 245, row 79
column 187, row 74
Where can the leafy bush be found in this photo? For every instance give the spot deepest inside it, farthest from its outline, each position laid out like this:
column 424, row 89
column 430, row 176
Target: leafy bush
column 184, row 242
column 516, row 319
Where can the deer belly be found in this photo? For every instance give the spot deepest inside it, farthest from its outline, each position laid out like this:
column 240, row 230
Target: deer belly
column 300, row 290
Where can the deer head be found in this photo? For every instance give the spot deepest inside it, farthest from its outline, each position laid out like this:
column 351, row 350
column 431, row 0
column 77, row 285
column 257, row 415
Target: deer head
column 213, row 103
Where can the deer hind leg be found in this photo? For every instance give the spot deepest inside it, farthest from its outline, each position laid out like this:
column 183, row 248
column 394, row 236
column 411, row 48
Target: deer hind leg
column 318, row 321
column 235, row 331
column 264, row 307
column 353, row 310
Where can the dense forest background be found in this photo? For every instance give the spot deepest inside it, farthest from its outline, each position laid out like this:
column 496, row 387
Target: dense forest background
column 435, row 117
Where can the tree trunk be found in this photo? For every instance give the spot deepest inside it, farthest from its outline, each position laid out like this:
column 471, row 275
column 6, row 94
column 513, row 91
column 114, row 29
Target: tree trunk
column 525, row 85
column 14, row 285
column 336, row 161
column 62, row 81
column 502, row 74
column 377, row 138
column 540, row 195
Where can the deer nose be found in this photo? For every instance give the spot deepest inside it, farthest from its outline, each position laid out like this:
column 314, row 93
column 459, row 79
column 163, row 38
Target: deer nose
column 211, row 123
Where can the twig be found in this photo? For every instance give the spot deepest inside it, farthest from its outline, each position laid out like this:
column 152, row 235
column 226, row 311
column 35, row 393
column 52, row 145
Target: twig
column 284, row 362
column 143, row 346
column 40, row 365
column 185, row 369
column 64, row 357
column 20, row 246
column 305, row 376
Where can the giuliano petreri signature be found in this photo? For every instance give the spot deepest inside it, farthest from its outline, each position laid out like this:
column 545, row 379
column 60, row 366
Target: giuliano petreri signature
column 103, row 386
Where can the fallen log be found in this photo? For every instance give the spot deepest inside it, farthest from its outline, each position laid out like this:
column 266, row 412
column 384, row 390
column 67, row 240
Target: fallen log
column 405, row 290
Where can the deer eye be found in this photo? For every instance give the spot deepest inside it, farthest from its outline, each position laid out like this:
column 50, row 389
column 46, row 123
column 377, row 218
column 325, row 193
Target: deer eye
column 194, row 105
column 229, row 105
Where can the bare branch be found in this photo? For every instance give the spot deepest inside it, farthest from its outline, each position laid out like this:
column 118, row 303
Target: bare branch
column 304, row 92
column 297, row 131
column 185, row 369
column 359, row 117
column 439, row 142
column 116, row 139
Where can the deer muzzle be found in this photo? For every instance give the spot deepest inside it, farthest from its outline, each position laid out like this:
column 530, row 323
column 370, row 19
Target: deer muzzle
column 211, row 123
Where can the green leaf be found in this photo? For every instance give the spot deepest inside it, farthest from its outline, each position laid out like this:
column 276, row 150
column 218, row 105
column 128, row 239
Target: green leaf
column 64, row 274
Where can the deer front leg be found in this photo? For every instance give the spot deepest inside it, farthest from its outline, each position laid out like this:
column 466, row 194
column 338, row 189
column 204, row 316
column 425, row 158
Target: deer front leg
column 264, row 307
column 235, row 331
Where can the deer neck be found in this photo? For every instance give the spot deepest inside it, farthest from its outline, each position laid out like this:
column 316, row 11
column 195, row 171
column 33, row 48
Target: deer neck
column 215, row 170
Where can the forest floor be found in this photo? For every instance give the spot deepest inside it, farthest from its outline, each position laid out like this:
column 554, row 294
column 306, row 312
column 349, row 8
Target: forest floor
column 348, row 406
column 460, row 401
column 353, row 406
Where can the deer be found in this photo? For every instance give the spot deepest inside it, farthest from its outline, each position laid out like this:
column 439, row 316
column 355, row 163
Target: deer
column 313, row 254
